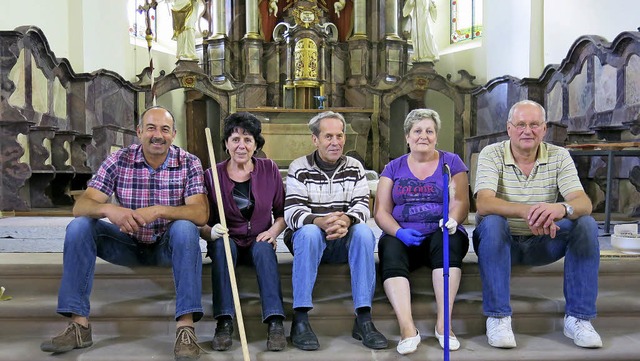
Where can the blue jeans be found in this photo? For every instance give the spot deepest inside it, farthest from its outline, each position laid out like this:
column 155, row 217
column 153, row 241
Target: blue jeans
column 262, row 256
column 310, row 248
column 87, row 238
column 498, row 250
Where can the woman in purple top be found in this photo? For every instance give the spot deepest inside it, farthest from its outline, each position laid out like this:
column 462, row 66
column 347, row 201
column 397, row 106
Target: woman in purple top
column 409, row 211
column 253, row 197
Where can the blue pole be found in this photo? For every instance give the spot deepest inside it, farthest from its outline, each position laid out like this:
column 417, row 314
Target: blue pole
column 446, row 173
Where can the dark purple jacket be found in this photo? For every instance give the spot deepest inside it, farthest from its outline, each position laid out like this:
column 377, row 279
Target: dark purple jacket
column 267, row 192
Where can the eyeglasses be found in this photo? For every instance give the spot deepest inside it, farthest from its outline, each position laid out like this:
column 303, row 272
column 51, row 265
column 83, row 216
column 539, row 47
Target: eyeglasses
column 522, row 126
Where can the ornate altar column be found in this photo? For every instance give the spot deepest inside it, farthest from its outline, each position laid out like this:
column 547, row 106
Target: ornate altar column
column 391, row 19
column 219, row 27
column 358, row 45
column 360, row 20
column 252, row 50
column 217, row 45
column 392, row 63
column 251, row 19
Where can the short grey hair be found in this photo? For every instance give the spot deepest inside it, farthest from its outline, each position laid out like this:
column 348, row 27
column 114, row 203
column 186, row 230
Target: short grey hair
column 418, row 115
column 314, row 123
column 527, row 102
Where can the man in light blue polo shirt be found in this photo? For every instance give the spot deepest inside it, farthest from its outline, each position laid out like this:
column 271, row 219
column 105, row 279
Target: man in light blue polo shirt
column 520, row 221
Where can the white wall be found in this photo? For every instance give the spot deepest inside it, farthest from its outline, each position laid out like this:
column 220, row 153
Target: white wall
column 91, row 34
column 566, row 20
column 521, row 37
column 52, row 16
column 507, row 38
column 468, row 55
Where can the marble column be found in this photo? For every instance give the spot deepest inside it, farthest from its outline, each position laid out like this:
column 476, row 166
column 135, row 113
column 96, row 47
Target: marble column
column 391, row 20
column 251, row 19
column 360, row 20
column 217, row 44
column 219, row 25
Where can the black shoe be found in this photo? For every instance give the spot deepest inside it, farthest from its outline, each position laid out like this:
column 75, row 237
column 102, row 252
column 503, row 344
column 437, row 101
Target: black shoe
column 276, row 340
column 370, row 336
column 302, row 336
column 222, row 338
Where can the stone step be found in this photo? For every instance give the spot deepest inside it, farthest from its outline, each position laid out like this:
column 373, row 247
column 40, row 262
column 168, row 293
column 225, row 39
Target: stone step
column 148, row 292
column 132, row 313
column 531, row 347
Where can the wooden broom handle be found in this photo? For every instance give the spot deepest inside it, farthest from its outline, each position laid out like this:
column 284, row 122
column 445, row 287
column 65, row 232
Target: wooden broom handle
column 227, row 249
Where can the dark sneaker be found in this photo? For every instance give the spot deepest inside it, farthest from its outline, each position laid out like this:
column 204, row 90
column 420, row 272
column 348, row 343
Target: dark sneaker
column 74, row 336
column 276, row 340
column 186, row 347
column 222, row 337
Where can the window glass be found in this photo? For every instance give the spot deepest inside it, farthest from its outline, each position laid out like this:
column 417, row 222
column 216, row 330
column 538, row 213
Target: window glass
column 466, row 20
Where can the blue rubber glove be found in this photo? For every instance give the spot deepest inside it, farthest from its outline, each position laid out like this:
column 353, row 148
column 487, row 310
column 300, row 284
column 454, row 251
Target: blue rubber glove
column 410, row 237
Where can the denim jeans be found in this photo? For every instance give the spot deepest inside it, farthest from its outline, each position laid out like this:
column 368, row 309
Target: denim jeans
column 262, row 256
column 310, row 248
column 87, row 238
column 498, row 250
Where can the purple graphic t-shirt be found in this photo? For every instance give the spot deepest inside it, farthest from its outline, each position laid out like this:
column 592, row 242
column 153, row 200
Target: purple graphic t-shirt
column 417, row 204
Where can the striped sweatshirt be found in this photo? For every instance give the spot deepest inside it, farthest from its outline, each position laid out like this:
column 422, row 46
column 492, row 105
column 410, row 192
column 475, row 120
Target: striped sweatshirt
column 311, row 193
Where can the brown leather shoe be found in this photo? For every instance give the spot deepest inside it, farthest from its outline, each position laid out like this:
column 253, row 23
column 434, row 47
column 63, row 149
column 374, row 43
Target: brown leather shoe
column 276, row 340
column 222, row 338
column 186, row 347
column 74, row 336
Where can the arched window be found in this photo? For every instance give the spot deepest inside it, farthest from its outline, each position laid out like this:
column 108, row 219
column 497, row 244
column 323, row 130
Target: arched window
column 466, row 20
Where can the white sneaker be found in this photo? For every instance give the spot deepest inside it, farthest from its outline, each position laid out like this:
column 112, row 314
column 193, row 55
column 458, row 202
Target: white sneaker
column 581, row 332
column 499, row 332
column 409, row 344
column 454, row 344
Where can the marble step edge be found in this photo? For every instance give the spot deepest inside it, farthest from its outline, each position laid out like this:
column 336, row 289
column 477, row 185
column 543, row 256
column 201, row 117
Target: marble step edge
column 531, row 347
column 163, row 306
column 50, row 265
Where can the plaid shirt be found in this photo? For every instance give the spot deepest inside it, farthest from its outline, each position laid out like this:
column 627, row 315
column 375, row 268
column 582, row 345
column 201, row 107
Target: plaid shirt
column 136, row 185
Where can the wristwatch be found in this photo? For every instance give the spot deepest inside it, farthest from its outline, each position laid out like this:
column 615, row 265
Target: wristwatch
column 568, row 209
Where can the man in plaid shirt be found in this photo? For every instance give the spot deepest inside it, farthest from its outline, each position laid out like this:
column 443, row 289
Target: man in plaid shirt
column 161, row 200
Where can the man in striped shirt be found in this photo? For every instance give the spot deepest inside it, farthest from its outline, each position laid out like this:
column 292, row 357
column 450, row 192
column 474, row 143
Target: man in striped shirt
column 520, row 221
column 161, row 200
column 326, row 210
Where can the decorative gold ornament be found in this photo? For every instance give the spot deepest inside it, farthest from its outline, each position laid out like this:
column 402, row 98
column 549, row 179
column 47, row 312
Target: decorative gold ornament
column 188, row 81
column 421, row 83
column 306, row 59
column 307, row 16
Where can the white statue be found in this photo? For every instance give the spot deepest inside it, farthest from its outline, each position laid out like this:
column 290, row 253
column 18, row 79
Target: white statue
column 424, row 46
column 185, row 15
column 273, row 7
column 338, row 6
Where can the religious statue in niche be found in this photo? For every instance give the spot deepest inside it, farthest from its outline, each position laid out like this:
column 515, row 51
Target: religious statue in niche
column 185, row 16
column 422, row 12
